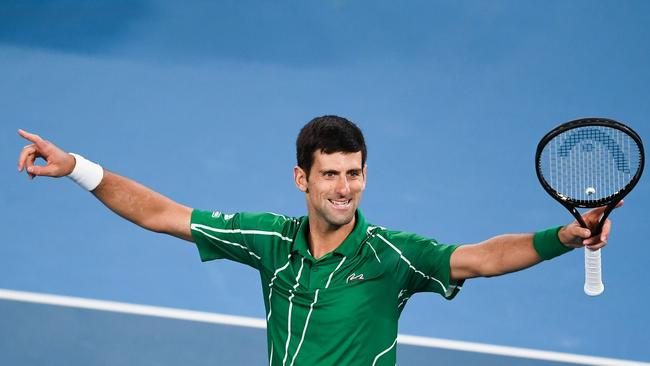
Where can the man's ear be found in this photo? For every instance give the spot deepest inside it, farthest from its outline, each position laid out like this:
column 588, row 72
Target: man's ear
column 300, row 178
column 365, row 175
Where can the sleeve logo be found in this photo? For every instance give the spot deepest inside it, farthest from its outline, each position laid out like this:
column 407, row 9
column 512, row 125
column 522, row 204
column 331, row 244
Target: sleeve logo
column 217, row 214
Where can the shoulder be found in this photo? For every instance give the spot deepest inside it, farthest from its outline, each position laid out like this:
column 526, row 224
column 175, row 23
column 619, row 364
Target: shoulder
column 411, row 248
column 402, row 240
column 266, row 221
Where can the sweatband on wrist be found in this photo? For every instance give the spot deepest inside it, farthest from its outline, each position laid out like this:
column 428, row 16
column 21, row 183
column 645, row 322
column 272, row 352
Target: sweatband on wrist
column 548, row 245
column 86, row 173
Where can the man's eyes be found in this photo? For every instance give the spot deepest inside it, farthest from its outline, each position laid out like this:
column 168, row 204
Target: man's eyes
column 354, row 174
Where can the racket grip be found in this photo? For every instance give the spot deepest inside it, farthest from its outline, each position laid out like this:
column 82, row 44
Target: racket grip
column 593, row 275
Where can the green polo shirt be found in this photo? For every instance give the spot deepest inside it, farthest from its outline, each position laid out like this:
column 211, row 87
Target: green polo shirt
column 340, row 309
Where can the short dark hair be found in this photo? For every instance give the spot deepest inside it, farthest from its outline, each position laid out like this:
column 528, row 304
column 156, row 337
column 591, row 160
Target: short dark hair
column 328, row 134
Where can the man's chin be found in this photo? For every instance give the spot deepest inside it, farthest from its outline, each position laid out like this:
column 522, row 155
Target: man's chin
column 339, row 221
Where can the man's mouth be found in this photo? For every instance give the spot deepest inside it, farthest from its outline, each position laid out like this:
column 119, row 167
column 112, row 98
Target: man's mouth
column 341, row 203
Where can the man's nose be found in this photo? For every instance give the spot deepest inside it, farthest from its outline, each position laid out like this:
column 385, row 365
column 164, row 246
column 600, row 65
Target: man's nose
column 343, row 186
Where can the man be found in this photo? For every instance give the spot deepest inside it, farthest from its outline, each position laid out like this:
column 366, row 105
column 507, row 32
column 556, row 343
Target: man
column 333, row 284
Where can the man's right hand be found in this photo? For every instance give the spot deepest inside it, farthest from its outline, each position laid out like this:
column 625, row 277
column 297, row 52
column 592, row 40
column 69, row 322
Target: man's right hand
column 126, row 197
column 58, row 162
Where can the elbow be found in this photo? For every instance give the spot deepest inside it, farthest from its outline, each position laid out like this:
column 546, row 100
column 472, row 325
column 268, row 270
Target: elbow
column 151, row 224
column 155, row 220
column 174, row 220
column 492, row 267
column 477, row 260
column 491, row 272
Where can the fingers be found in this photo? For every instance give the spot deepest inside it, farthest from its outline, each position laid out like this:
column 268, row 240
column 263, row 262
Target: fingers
column 30, row 152
column 27, row 158
column 597, row 212
column 578, row 231
column 573, row 235
column 34, row 170
column 39, row 170
column 29, row 164
column 27, row 150
column 598, row 241
column 58, row 162
column 36, row 139
column 592, row 216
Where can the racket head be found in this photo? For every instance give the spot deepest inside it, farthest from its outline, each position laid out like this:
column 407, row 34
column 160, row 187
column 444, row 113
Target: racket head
column 589, row 162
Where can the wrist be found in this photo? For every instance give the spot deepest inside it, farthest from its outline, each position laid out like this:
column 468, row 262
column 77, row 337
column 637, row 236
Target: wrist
column 86, row 173
column 548, row 245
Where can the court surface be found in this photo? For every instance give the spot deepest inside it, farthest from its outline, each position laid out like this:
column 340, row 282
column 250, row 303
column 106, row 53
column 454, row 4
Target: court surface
column 42, row 329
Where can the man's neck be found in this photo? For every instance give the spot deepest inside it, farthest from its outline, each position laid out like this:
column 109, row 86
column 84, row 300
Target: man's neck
column 324, row 238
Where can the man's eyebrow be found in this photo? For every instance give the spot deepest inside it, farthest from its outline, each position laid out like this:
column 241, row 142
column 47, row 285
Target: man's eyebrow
column 334, row 171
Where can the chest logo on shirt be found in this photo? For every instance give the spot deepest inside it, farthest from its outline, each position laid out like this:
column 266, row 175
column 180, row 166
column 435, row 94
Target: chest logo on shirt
column 354, row 277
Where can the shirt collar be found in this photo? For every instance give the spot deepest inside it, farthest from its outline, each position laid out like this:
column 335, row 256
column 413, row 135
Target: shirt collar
column 349, row 246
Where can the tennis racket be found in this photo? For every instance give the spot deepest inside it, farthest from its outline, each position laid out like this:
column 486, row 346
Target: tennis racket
column 586, row 163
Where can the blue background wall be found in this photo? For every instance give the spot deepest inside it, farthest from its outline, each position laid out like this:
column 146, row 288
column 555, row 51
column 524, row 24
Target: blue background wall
column 202, row 101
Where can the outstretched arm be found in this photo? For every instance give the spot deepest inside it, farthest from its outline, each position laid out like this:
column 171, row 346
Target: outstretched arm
column 513, row 252
column 127, row 198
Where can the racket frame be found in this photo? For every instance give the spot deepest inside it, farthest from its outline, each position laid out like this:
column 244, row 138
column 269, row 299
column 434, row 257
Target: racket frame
column 593, row 283
column 610, row 201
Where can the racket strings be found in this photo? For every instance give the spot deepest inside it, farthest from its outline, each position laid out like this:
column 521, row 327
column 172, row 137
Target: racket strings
column 591, row 163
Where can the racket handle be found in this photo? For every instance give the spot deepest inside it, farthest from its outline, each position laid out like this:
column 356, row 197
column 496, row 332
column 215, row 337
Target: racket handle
column 593, row 275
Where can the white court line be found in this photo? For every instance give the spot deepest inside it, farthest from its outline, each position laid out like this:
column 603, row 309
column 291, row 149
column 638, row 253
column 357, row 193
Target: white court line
column 514, row 351
column 126, row 308
column 242, row 321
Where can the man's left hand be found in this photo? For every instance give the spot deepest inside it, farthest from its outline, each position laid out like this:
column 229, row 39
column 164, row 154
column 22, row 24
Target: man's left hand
column 575, row 236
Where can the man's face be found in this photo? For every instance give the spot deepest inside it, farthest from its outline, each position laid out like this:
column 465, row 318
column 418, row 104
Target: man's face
column 334, row 187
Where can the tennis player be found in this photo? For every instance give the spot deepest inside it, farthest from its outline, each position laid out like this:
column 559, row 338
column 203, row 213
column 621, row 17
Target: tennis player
column 334, row 284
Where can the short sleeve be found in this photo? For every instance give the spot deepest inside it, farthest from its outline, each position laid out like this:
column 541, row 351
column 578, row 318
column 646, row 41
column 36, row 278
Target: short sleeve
column 430, row 269
column 242, row 237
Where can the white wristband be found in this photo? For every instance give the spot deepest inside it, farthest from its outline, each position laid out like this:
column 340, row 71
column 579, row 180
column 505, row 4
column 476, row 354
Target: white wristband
column 86, row 173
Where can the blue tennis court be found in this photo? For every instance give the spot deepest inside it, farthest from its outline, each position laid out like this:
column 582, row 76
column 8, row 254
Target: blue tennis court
column 39, row 329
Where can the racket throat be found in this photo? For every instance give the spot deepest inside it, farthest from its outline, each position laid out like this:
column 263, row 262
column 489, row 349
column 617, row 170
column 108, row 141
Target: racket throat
column 599, row 226
column 574, row 211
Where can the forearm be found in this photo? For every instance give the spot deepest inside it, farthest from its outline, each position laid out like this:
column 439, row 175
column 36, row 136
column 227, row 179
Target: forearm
column 493, row 257
column 509, row 253
column 143, row 206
